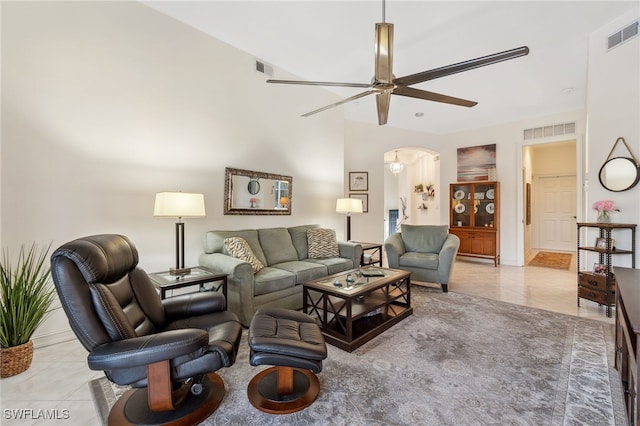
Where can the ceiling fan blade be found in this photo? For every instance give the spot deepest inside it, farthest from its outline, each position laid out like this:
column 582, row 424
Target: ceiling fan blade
column 431, row 96
column 344, row 101
column 461, row 66
column 383, row 99
column 384, row 53
column 320, row 83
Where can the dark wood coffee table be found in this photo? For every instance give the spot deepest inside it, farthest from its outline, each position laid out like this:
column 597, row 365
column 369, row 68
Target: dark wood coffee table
column 356, row 312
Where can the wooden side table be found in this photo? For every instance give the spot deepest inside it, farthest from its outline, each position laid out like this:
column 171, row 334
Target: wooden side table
column 199, row 276
column 375, row 250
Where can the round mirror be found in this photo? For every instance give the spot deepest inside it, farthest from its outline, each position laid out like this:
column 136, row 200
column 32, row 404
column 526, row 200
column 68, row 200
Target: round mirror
column 619, row 174
column 253, row 187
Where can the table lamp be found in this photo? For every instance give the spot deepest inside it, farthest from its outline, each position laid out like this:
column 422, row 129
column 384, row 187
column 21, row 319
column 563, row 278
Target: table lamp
column 348, row 206
column 179, row 205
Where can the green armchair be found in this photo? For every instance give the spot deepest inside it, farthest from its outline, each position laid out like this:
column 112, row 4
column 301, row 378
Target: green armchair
column 427, row 251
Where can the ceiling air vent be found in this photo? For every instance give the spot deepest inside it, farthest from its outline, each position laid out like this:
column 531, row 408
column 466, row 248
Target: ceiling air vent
column 264, row 68
column 548, row 131
column 621, row 36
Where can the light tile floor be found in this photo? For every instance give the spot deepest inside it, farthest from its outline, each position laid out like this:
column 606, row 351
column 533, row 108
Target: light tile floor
column 56, row 383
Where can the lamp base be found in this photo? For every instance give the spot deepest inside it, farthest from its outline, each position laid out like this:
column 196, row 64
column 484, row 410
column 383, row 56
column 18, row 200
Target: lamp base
column 179, row 271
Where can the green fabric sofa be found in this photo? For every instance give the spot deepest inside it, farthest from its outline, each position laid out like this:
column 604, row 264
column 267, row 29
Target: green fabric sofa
column 427, row 251
column 284, row 252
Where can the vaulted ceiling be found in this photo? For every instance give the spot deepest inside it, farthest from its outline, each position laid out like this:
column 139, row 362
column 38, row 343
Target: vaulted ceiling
column 334, row 41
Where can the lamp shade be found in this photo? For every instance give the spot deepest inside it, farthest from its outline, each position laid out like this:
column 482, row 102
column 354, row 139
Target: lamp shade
column 349, row 205
column 179, row 204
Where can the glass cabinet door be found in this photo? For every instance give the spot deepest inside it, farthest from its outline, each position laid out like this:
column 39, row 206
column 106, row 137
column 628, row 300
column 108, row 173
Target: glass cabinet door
column 484, row 205
column 461, row 203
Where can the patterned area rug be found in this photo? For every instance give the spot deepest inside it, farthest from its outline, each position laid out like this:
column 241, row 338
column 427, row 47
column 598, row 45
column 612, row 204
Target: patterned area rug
column 549, row 259
column 459, row 360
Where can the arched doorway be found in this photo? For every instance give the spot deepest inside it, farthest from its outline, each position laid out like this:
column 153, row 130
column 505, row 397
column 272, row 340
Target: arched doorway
column 411, row 196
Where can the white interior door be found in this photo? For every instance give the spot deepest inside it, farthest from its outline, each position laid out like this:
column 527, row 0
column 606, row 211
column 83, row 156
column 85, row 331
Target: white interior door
column 554, row 205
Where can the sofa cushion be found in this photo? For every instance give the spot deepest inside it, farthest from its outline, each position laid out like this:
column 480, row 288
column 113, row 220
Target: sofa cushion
column 214, row 242
column 269, row 280
column 414, row 259
column 240, row 249
column 322, row 243
column 277, row 245
column 305, row 271
column 299, row 239
column 424, row 238
column 334, row 265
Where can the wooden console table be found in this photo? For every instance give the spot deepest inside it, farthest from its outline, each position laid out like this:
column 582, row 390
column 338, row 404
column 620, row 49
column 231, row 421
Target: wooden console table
column 627, row 333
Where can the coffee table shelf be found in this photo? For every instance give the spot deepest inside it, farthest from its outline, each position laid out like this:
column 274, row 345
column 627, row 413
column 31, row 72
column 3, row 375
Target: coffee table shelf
column 351, row 316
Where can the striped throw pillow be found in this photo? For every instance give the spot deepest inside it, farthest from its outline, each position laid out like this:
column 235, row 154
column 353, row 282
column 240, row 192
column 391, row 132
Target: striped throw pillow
column 240, row 249
column 322, row 243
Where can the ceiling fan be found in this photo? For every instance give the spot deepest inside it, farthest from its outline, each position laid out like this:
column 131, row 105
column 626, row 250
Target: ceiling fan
column 384, row 83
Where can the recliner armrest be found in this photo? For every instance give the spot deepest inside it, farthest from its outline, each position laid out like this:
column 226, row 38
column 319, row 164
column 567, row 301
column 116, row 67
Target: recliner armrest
column 193, row 304
column 145, row 350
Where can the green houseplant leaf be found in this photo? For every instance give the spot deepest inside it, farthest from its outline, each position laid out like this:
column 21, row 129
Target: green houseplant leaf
column 25, row 294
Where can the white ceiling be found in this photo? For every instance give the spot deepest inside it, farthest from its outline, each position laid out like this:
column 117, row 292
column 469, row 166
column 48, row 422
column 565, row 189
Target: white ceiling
column 333, row 41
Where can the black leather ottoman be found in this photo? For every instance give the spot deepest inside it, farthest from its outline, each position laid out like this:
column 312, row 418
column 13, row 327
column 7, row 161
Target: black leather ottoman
column 292, row 342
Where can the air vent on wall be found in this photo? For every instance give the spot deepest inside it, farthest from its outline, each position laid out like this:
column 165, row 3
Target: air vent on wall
column 264, row 68
column 623, row 35
column 552, row 130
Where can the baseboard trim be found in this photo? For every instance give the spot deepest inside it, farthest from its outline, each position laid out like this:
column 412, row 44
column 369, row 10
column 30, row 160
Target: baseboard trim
column 53, row 338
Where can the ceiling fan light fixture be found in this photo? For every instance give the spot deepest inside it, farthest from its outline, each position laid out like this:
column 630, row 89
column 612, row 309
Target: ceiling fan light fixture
column 384, row 83
column 396, row 166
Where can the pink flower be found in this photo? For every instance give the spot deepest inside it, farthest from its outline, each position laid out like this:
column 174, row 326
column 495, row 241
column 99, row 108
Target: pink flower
column 605, row 206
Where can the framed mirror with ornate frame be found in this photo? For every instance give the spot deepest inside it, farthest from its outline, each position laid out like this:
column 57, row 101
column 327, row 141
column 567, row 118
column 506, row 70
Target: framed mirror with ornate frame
column 248, row 192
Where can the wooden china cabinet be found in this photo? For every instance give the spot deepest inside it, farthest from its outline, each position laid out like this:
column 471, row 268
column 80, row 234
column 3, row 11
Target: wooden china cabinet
column 475, row 218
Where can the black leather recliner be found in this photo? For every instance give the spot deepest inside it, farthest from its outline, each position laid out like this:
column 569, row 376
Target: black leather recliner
column 167, row 350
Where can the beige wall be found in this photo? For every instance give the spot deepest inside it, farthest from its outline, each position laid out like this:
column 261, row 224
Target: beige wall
column 554, row 158
column 613, row 110
column 106, row 103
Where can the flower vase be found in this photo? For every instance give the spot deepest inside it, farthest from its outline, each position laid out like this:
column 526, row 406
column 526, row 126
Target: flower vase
column 603, row 217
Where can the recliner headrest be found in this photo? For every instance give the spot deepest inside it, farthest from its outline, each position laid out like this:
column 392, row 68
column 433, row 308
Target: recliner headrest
column 101, row 258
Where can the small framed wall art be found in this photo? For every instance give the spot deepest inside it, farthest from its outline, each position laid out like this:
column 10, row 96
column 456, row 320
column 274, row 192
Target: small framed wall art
column 358, row 181
column 365, row 201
